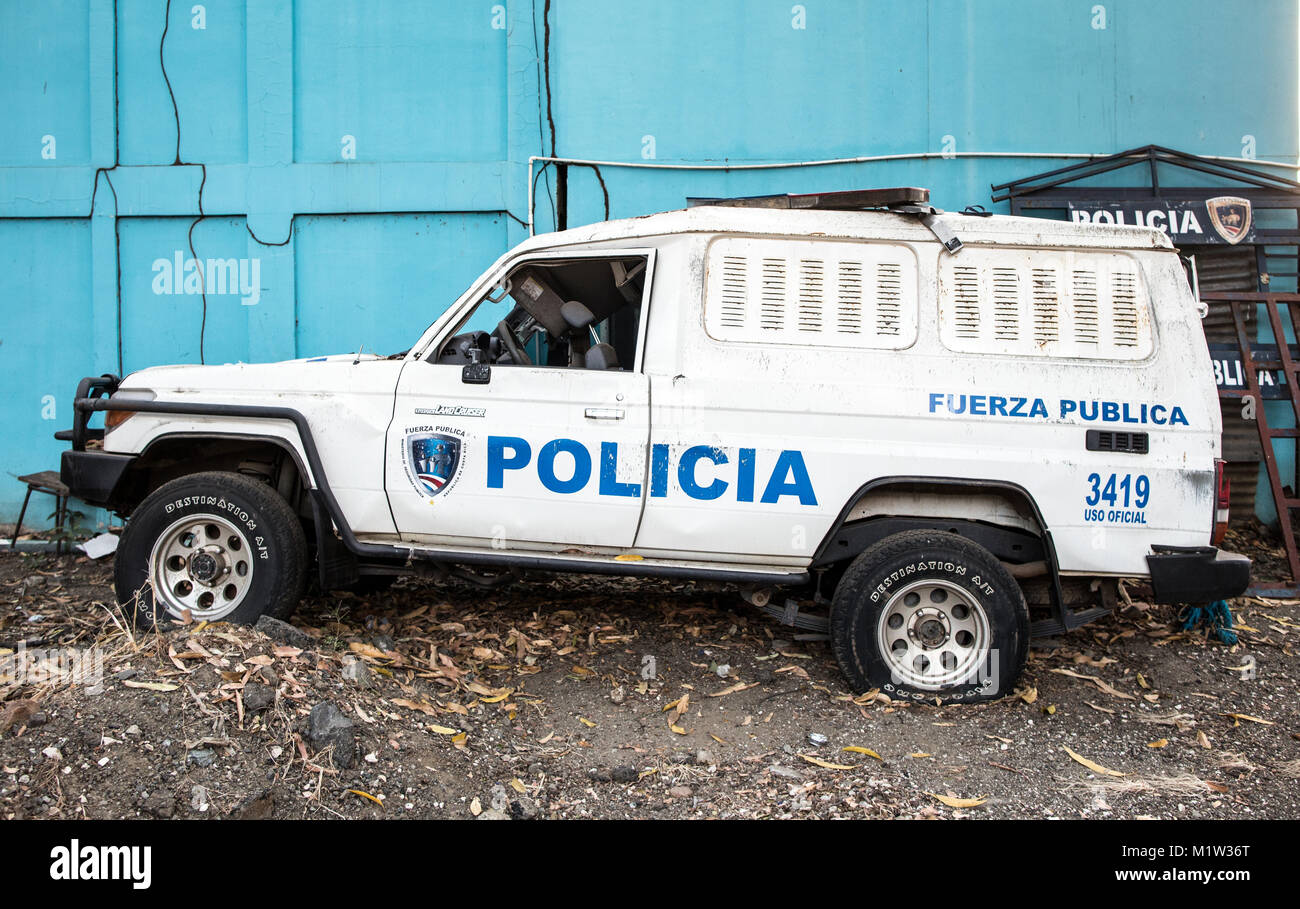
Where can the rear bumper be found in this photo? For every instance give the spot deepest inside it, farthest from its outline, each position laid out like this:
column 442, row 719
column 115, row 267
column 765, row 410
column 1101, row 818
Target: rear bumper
column 94, row 476
column 1197, row 574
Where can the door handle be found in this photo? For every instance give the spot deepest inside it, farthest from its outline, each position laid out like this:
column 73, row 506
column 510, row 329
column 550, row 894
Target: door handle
column 604, row 413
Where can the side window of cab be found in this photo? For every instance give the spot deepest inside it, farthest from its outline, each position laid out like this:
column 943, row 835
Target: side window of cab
column 567, row 313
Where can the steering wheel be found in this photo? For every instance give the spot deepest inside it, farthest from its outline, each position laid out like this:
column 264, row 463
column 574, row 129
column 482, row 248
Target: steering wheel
column 507, row 336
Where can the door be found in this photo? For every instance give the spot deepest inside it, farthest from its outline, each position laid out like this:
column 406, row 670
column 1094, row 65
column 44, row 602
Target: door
column 512, row 454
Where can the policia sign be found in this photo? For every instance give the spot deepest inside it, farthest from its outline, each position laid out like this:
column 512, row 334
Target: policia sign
column 1223, row 219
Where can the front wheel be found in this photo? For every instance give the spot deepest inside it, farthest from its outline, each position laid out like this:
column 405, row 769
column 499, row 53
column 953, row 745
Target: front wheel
column 924, row 615
column 212, row 546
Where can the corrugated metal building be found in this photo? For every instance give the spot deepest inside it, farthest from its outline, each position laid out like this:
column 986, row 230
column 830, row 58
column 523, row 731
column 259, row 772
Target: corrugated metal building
column 342, row 170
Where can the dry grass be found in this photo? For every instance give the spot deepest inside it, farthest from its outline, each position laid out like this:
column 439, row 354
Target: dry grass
column 1182, row 784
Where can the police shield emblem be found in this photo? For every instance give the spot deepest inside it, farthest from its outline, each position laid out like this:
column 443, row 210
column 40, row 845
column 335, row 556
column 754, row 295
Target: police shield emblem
column 1230, row 216
column 433, row 459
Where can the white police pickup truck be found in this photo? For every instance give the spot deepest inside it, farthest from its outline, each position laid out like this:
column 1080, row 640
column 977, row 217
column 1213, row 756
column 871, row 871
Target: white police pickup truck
column 956, row 431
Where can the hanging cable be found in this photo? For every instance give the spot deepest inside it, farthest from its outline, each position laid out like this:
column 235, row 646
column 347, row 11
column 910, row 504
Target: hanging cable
column 541, row 136
column 203, row 286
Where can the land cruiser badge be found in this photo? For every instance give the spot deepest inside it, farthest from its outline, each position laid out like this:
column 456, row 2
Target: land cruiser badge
column 432, row 461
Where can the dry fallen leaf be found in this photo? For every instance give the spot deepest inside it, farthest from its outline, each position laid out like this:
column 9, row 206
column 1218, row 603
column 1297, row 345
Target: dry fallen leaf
column 1245, row 716
column 442, row 730
column 1091, row 765
column 152, row 686
column 475, row 807
column 1096, row 681
column 739, row 686
column 423, row 706
column 1158, row 743
column 367, row 651
column 953, row 801
column 518, row 786
column 487, row 692
column 367, row 795
column 827, row 764
column 858, row 749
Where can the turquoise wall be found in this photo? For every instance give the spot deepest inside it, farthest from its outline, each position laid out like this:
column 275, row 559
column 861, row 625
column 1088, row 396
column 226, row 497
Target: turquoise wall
column 360, row 163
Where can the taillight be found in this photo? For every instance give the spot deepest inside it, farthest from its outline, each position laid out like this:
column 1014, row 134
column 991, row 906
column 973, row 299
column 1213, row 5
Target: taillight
column 1222, row 497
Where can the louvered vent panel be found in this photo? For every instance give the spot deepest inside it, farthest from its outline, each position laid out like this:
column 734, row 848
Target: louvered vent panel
column 966, row 297
column 889, row 298
column 1087, row 318
column 811, row 298
column 1056, row 303
column 1047, row 306
column 772, row 309
column 1006, row 303
column 734, row 292
column 849, row 298
column 1124, row 308
column 811, row 292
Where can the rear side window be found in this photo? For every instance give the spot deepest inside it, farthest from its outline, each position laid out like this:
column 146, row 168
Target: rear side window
column 1044, row 303
column 815, row 293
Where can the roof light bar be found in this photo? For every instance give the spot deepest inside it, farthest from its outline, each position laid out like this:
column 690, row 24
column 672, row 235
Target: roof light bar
column 845, row 200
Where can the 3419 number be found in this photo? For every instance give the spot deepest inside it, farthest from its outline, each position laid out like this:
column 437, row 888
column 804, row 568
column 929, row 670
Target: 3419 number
column 1119, row 490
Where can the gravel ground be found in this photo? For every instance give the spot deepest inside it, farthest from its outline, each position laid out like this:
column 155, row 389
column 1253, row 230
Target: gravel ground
column 436, row 701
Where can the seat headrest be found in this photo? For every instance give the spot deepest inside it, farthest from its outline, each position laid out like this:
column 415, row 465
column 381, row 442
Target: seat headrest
column 602, row 356
column 576, row 314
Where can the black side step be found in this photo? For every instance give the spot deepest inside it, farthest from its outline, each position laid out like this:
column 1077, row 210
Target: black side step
column 1047, row 627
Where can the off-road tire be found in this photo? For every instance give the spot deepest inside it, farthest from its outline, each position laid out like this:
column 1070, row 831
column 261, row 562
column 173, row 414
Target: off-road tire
column 270, row 537
column 955, row 572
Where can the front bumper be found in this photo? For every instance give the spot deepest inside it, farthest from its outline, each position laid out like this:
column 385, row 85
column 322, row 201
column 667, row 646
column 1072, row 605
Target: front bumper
column 1197, row 574
column 94, row 476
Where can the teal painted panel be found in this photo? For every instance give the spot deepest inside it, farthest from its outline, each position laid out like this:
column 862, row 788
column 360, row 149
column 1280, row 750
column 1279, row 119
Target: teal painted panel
column 205, row 57
column 162, row 307
column 379, row 281
column 1201, row 75
column 738, row 81
column 44, row 71
column 45, row 345
column 406, row 80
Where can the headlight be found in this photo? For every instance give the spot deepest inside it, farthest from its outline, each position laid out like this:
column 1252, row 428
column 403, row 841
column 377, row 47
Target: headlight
column 115, row 418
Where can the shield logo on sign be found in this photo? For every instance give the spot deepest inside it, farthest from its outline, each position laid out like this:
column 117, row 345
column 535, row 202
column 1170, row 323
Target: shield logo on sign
column 433, row 459
column 1230, row 216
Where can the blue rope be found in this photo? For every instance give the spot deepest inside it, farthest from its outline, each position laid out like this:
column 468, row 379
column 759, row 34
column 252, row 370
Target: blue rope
column 1216, row 619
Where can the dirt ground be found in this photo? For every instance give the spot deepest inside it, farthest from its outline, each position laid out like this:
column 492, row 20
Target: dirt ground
column 538, row 701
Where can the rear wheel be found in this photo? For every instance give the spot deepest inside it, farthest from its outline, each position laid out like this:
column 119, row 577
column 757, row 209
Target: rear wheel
column 924, row 615
column 212, row 546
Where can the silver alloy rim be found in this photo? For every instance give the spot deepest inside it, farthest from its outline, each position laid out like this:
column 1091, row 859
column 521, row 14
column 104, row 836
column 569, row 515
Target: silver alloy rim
column 933, row 635
column 200, row 564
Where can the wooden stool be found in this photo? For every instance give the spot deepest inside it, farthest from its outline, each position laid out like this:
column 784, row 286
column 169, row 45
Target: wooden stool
column 48, row 482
